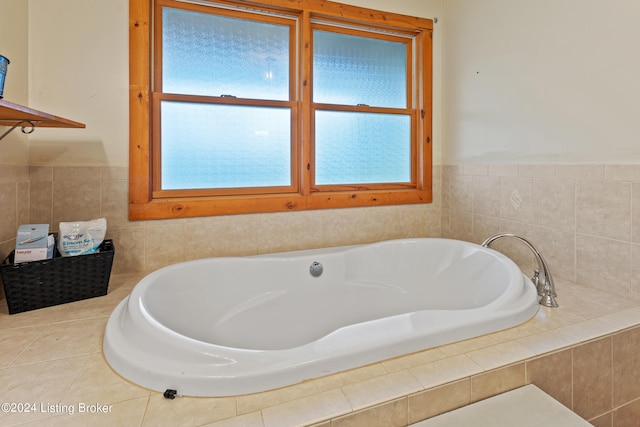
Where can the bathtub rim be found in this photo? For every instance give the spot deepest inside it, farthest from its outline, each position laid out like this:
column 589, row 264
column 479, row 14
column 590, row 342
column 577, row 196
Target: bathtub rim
column 199, row 378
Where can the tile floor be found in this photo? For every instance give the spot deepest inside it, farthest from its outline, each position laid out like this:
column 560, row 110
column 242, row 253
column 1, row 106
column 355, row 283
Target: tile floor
column 52, row 371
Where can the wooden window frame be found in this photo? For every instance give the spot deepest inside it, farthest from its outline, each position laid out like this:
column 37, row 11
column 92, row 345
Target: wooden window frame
column 146, row 201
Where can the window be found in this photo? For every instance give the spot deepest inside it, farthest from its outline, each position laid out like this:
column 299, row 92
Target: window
column 239, row 107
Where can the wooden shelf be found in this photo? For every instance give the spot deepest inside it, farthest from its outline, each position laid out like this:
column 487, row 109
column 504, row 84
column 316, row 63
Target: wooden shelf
column 13, row 114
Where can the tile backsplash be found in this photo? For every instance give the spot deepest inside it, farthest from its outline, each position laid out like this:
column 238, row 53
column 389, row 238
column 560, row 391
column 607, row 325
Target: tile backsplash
column 51, row 194
column 14, row 204
column 581, row 217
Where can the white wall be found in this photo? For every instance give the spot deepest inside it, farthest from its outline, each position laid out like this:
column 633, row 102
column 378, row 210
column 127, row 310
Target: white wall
column 78, row 64
column 14, row 19
column 515, row 80
column 541, row 81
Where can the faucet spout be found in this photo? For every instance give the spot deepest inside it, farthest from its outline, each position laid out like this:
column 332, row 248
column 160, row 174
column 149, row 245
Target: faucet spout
column 546, row 287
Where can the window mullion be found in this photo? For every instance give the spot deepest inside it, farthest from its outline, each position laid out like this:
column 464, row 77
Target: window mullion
column 306, row 97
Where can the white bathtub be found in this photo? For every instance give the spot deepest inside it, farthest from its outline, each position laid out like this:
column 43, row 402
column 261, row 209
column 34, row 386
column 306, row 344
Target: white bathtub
column 230, row 326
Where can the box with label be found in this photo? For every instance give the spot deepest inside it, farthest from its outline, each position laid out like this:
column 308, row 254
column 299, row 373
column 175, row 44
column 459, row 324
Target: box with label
column 33, row 243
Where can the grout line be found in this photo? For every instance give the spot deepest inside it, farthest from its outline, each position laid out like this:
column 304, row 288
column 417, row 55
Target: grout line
column 80, row 371
column 146, row 410
column 28, row 345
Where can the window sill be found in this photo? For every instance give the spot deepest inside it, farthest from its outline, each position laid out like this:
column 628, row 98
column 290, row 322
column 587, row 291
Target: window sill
column 231, row 205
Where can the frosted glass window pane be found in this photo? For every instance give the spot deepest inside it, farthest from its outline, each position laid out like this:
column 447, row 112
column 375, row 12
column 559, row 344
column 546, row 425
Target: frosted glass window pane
column 222, row 146
column 204, row 54
column 352, row 70
column 359, row 148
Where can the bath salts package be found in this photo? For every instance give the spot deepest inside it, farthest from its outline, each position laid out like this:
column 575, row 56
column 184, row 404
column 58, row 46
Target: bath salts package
column 81, row 237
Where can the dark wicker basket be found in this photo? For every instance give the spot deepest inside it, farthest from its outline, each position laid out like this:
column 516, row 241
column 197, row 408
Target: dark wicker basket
column 38, row 284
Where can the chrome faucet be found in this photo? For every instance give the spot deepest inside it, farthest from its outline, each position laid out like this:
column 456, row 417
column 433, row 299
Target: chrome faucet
column 546, row 289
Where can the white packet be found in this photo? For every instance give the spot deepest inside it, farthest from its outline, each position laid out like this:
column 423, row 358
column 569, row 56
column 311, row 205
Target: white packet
column 81, row 237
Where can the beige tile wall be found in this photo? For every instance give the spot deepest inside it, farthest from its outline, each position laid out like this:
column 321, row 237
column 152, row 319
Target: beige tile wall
column 58, row 193
column 14, row 204
column 580, row 217
column 598, row 380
